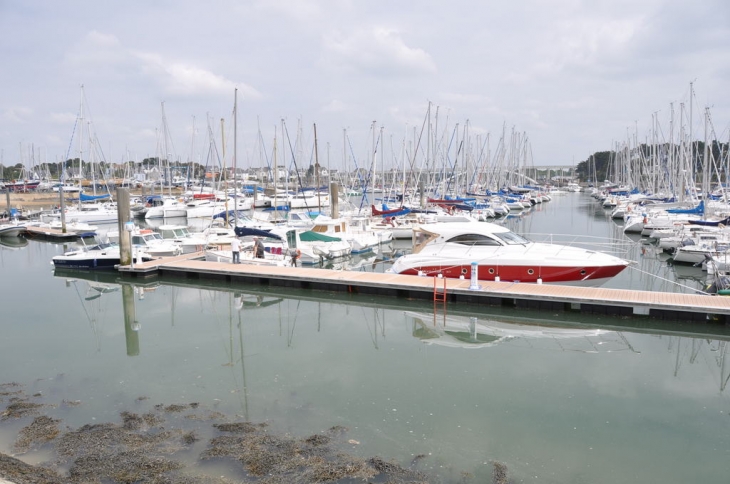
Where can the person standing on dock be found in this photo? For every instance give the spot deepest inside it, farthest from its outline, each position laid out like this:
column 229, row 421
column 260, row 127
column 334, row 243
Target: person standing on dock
column 258, row 248
column 236, row 250
column 294, row 255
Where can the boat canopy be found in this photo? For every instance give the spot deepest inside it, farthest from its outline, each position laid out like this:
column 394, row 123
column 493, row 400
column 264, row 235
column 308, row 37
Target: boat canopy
column 309, row 236
column 246, row 231
column 699, row 209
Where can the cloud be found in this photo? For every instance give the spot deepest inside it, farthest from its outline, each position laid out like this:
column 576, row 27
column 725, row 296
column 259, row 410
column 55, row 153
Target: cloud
column 377, row 51
column 586, row 43
column 17, row 115
column 101, row 54
column 66, row 119
column 183, row 79
column 95, row 49
column 301, row 10
column 334, row 106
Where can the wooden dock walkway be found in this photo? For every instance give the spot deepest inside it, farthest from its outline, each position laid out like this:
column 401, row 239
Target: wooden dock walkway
column 614, row 302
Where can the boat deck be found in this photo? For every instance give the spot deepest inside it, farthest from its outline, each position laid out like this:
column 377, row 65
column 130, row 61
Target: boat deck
column 616, row 302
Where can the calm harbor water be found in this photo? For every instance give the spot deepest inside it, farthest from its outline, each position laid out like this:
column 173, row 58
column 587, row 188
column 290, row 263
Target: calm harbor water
column 596, row 400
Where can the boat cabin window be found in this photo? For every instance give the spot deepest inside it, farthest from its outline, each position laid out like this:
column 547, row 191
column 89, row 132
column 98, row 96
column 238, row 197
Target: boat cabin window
column 511, row 238
column 473, row 239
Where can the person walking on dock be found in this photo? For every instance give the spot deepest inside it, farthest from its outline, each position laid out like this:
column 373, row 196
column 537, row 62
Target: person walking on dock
column 236, row 250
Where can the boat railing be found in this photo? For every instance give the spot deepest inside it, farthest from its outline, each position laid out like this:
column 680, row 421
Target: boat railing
column 599, row 244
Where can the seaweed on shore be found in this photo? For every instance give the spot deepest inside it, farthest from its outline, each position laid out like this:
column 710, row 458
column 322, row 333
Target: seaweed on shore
column 143, row 448
column 43, row 429
column 20, row 408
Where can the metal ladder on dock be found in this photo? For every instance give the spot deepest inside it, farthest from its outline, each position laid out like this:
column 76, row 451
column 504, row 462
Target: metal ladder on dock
column 439, row 293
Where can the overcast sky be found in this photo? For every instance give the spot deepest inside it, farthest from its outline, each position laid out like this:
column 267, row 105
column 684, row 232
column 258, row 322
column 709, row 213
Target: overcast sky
column 574, row 76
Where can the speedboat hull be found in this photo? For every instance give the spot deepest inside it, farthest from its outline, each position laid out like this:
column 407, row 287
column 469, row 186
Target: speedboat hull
column 11, row 230
column 97, row 258
column 451, row 250
column 584, row 275
column 87, row 261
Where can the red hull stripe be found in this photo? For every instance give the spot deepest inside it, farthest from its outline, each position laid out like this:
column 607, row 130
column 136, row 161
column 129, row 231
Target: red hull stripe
column 522, row 273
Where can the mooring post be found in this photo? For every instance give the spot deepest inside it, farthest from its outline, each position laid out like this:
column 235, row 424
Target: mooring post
column 335, row 200
column 474, row 285
column 62, row 206
column 125, row 235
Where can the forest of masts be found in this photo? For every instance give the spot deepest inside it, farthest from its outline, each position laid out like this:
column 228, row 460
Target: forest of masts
column 445, row 157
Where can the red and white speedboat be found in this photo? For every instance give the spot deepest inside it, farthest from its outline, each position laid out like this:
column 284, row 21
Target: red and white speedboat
column 450, row 248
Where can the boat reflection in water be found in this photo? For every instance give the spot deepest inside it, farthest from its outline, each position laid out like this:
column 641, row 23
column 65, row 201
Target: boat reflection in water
column 13, row 242
column 471, row 332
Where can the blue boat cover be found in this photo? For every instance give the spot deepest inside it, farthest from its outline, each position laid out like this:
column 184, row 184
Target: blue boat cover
column 699, row 209
column 246, row 231
column 90, row 198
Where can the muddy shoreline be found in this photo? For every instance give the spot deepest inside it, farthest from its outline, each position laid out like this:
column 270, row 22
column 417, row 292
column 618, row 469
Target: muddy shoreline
column 48, row 200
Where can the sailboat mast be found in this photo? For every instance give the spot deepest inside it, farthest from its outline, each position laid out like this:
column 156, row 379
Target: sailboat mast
column 192, row 156
column 235, row 152
column 165, row 168
column 275, row 177
column 223, row 170
column 316, row 169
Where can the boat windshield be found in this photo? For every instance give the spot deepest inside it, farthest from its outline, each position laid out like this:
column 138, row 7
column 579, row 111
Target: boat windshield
column 511, row 238
column 101, row 246
column 474, row 239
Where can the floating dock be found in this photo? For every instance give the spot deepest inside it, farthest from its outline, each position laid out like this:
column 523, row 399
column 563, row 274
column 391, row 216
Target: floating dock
column 57, row 235
column 542, row 297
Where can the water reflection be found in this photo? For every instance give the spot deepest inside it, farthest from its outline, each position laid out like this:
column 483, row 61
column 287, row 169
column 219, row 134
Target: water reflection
column 13, row 242
column 473, row 332
column 647, row 394
column 462, row 326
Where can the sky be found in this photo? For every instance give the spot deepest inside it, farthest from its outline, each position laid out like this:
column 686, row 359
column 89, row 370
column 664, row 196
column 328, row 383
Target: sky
column 570, row 77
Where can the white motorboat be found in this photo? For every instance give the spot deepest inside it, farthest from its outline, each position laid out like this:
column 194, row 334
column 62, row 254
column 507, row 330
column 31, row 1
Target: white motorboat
column 149, row 241
column 13, row 228
column 450, row 249
column 88, row 213
column 170, row 208
column 313, row 247
column 100, row 255
column 355, row 230
column 180, row 234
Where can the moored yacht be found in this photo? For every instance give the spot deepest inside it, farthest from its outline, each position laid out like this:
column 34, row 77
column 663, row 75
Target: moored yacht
column 449, row 249
column 100, row 255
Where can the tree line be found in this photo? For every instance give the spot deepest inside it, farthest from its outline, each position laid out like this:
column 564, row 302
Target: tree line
column 602, row 165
